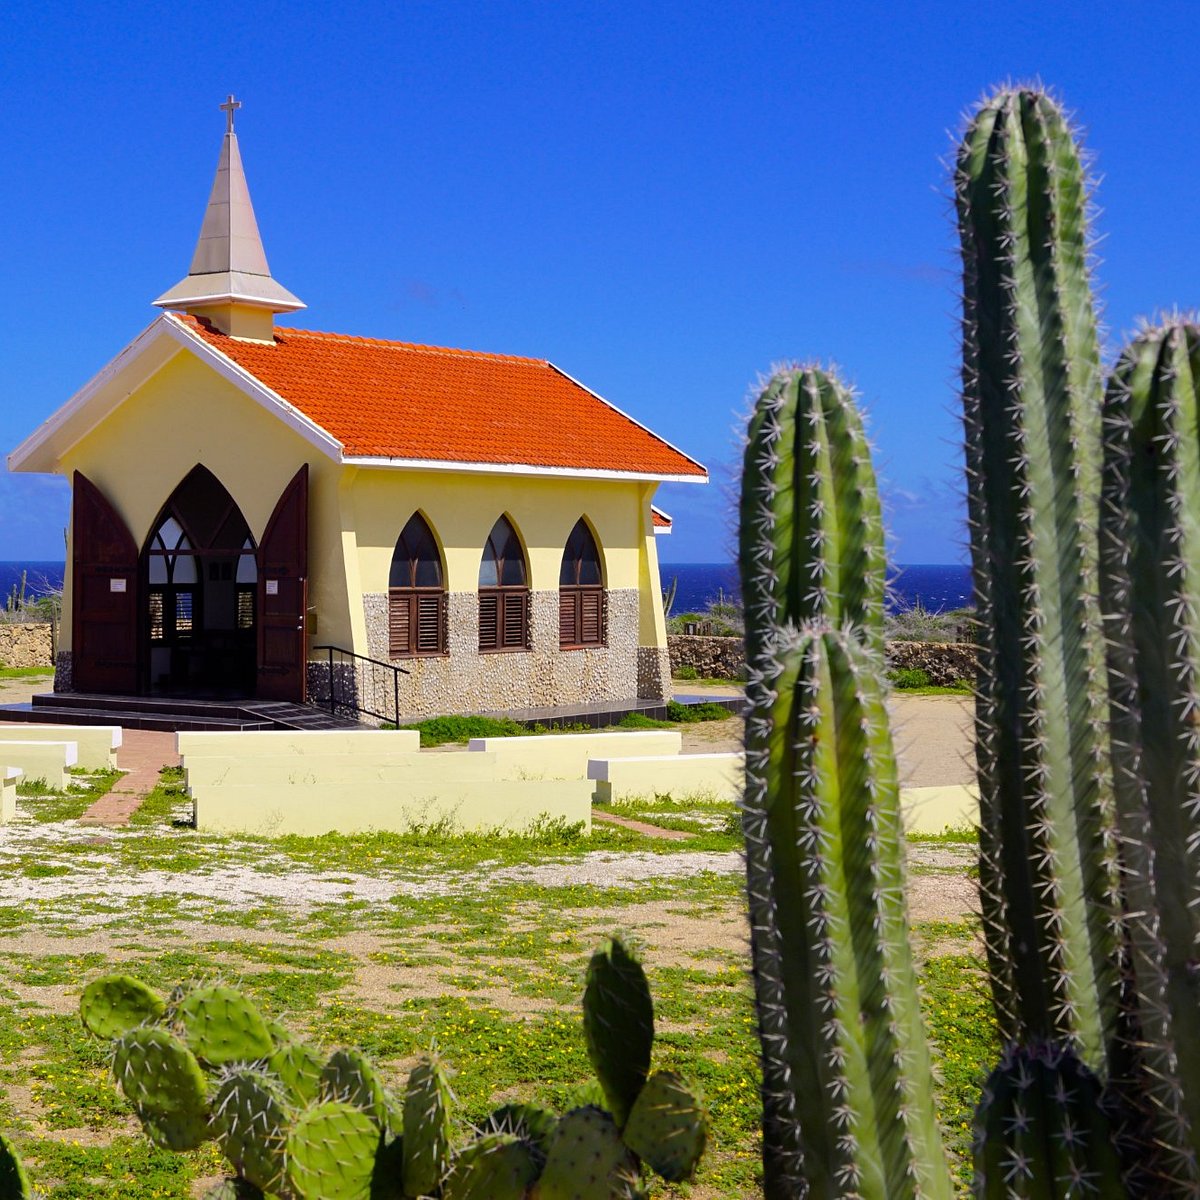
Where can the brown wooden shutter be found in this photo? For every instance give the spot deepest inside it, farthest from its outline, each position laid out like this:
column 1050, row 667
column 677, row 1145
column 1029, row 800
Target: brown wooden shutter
column 489, row 620
column 514, row 620
column 568, row 610
column 429, row 623
column 591, row 618
column 399, row 623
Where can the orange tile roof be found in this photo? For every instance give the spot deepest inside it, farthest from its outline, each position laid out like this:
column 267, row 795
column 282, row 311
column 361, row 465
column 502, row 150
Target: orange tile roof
column 398, row 400
column 661, row 520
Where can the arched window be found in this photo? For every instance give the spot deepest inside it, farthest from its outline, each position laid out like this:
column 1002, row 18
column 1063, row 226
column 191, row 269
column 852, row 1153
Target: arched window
column 580, row 592
column 503, row 591
column 171, row 566
column 416, row 595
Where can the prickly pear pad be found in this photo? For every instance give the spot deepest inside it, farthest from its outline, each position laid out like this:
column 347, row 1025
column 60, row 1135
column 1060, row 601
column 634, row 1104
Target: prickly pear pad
column 331, row 1153
column 222, row 1026
column 587, row 1160
column 350, row 1077
column 250, row 1117
column 528, row 1122
column 426, row 1128
column 115, row 1004
column 618, row 1021
column 14, row 1183
column 234, row 1189
column 667, row 1128
column 498, row 1166
column 299, row 1068
column 163, row 1081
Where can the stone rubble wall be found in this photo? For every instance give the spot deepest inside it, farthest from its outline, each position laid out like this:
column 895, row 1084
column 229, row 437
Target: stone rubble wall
column 944, row 662
column 26, row 645
column 724, row 658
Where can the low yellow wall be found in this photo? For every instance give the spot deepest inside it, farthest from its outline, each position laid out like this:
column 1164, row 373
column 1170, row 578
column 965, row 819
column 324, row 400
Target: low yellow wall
column 9, row 778
column 271, row 743
column 96, row 744
column 936, row 809
column 718, row 775
column 364, row 808
column 334, row 769
column 41, row 760
column 566, row 756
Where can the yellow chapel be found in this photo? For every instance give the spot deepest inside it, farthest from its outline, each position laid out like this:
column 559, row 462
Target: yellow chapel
column 379, row 527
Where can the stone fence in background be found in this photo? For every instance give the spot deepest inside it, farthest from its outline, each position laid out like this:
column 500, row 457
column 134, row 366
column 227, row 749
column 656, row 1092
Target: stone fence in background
column 26, row 645
column 724, row 658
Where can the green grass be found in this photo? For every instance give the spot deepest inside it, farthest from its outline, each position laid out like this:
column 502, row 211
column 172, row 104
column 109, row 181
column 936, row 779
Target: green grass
column 437, row 731
column 26, row 672
column 466, row 943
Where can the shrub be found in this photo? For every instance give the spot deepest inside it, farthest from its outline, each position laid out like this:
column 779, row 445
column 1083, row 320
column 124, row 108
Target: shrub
column 910, row 677
column 438, row 730
column 686, row 671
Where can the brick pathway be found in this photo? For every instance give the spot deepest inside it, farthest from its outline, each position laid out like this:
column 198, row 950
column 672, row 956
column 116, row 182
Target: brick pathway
column 143, row 753
column 654, row 831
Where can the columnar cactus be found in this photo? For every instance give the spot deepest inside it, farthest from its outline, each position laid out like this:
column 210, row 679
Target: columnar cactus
column 847, row 1086
column 1042, row 1132
column 1031, row 397
column 1151, row 596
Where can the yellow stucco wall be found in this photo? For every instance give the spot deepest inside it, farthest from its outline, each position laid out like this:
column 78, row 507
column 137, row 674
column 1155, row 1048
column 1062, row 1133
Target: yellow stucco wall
column 462, row 508
column 187, row 414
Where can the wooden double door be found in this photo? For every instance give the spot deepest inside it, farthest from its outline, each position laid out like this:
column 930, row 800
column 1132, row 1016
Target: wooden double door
column 139, row 619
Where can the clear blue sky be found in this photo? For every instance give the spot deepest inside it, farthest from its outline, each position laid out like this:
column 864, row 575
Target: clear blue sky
column 663, row 199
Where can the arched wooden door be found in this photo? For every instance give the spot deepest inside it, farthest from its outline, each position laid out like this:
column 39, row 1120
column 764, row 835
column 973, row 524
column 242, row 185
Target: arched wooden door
column 104, row 595
column 283, row 595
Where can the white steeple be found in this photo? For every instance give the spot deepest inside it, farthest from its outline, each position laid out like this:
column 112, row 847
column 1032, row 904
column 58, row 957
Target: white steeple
column 229, row 282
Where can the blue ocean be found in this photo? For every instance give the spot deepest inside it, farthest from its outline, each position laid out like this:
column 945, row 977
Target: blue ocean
column 40, row 578
column 936, row 588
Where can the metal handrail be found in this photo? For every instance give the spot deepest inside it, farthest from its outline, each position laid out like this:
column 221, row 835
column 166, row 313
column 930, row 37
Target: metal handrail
column 354, row 702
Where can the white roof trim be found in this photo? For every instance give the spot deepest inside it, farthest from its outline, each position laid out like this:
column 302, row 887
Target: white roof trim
column 57, row 436
column 662, row 530
column 291, row 416
column 486, row 468
column 645, row 428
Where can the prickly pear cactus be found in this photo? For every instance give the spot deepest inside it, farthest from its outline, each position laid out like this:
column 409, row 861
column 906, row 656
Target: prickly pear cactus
column 298, row 1067
column 115, row 1004
column 1031, row 385
column 1041, row 1132
column 163, row 1081
column 331, row 1152
column 667, row 1128
column 1151, row 595
column 222, row 1026
column 618, row 1022
column 496, row 1166
column 350, row 1076
column 427, row 1131
column 251, row 1119
column 586, row 1160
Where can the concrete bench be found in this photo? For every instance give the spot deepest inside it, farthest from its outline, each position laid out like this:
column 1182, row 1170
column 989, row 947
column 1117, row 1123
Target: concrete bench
column 676, row 775
column 41, row 760
column 310, row 810
column 9, row 778
column 936, row 809
column 269, row 742
column 97, row 744
column 566, row 755
column 347, row 769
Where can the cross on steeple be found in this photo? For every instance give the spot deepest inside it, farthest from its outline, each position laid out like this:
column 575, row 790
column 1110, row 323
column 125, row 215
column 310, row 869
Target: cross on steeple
column 228, row 107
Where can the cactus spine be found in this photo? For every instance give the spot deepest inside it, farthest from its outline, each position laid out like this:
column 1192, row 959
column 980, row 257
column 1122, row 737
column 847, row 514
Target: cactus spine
column 1031, row 395
column 847, row 1085
column 1151, row 595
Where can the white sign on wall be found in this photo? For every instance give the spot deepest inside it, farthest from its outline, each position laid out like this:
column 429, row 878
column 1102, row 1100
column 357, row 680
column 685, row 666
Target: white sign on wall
column 272, row 587
column 116, row 585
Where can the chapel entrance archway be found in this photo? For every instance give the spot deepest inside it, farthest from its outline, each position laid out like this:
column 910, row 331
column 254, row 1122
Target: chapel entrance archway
column 199, row 576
